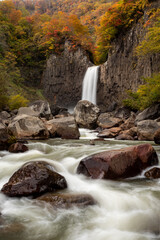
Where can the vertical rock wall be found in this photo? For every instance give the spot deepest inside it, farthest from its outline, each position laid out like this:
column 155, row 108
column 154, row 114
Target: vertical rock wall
column 123, row 70
column 63, row 77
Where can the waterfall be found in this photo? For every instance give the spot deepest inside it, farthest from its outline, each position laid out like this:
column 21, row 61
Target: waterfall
column 89, row 89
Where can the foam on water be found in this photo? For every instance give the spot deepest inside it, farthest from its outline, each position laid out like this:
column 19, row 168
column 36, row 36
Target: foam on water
column 125, row 210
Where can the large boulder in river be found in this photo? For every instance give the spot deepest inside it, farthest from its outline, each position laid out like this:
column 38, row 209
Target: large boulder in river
column 152, row 112
column 146, row 129
column 118, row 164
column 34, row 178
column 86, row 114
column 67, row 200
column 64, row 127
column 28, row 127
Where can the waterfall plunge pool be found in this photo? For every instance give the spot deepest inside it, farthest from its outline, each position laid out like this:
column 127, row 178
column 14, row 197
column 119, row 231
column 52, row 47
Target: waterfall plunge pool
column 126, row 210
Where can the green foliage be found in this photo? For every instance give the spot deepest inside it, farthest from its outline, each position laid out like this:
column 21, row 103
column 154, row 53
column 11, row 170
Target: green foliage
column 151, row 43
column 146, row 95
column 17, row 101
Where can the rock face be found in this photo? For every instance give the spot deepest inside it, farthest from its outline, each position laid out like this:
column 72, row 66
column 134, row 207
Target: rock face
column 28, row 127
column 146, row 129
column 86, row 114
column 118, row 164
column 123, row 70
column 67, row 200
column 64, row 127
column 34, row 178
column 63, row 77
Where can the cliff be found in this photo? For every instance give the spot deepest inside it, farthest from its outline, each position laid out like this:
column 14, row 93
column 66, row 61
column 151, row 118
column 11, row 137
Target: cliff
column 63, row 76
column 123, row 70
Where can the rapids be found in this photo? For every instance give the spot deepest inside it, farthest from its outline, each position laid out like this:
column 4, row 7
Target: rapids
column 126, row 210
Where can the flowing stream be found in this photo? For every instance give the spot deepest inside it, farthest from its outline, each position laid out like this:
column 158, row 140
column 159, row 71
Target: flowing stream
column 126, row 210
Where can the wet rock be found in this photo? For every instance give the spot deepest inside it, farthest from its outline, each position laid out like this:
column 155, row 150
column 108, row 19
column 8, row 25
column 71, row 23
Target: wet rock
column 157, row 136
column 108, row 122
column 146, row 129
column 34, row 178
column 67, row 200
column 153, row 173
column 124, row 137
column 42, row 108
column 152, row 112
column 17, row 148
column 28, row 127
column 86, row 114
column 65, row 128
column 118, row 164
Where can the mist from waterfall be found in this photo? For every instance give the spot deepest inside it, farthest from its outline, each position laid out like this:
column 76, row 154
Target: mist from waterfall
column 89, row 89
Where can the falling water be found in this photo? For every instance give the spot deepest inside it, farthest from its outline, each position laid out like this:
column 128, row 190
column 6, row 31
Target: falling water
column 89, row 90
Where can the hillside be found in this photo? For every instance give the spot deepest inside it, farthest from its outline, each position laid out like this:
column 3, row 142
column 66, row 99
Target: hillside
column 31, row 31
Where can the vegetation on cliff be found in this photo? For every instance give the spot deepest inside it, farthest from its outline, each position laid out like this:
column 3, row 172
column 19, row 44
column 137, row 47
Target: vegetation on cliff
column 31, row 30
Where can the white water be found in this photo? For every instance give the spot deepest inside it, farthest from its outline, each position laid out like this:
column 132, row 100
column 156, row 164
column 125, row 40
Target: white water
column 126, row 210
column 89, row 89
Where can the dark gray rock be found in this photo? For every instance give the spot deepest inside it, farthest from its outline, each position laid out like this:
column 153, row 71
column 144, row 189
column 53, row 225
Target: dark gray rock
column 64, row 127
column 153, row 173
column 146, row 129
column 152, row 112
column 105, row 121
column 17, row 148
column 63, row 76
column 34, row 178
column 42, row 108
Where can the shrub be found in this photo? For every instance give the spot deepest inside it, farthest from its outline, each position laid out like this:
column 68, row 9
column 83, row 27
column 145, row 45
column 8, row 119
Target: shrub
column 17, row 101
column 146, row 95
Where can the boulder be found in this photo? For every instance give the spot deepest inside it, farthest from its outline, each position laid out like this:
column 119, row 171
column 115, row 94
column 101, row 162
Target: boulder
column 131, row 132
column 118, row 164
column 17, row 148
column 123, row 113
column 57, row 110
column 157, row 136
column 108, row 122
column 67, row 200
column 5, row 138
column 129, row 123
column 86, row 114
column 146, row 130
column 109, row 133
column 153, row 173
column 34, row 178
column 65, row 128
column 124, row 137
column 106, row 134
column 5, row 117
column 28, row 127
column 152, row 112
column 27, row 111
column 42, row 108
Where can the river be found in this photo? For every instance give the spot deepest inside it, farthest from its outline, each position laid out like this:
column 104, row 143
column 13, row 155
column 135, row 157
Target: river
column 126, row 210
